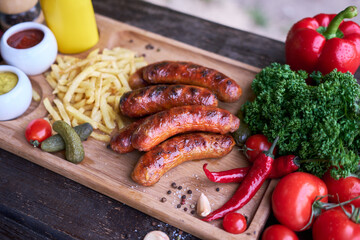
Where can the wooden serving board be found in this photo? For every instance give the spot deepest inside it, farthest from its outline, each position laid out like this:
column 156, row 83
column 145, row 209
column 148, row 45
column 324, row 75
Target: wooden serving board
column 109, row 173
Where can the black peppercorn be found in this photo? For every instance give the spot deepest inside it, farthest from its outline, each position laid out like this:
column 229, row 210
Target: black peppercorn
column 149, row 47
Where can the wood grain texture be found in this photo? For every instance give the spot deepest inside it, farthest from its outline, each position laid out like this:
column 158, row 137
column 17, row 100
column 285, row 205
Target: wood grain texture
column 107, row 172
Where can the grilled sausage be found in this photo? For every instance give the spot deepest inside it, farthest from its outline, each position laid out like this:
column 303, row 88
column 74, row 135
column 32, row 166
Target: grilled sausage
column 136, row 81
column 226, row 89
column 192, row 146
column 162, row 125
column 121, row 142
column 156, row 98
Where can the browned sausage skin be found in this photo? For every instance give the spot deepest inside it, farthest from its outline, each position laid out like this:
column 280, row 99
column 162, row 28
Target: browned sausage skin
column 226, row 89
column 162, row 125
column 121, row 142
column 153, row 164
column 136, row 81
column 156, row 98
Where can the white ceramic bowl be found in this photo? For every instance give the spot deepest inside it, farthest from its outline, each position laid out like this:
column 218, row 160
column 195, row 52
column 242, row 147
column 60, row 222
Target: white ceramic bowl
column 15, row 102
column 33, row 60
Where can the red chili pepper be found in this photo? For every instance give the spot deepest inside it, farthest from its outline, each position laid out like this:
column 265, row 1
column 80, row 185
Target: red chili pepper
column 252, row 182
column 229, row 176
column 282, row 166
column 324, row 42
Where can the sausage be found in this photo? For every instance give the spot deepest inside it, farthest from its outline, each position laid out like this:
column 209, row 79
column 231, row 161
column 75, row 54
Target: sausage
column 169, row 154
column 136, row 81
column 162, row 125
column 156, row 98
column 121, row 142
column 226, row 89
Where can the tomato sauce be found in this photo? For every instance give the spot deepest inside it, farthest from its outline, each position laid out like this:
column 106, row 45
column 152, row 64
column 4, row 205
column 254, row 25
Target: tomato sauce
column 25, row 39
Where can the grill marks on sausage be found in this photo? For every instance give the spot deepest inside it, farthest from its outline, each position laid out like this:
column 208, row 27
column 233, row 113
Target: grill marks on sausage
column 152, row 99
column 169, row 154
column 159, row 127
column 156, row 91
column 189, row 73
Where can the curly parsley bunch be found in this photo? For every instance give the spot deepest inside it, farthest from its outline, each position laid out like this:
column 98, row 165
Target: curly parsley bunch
column 320, row 122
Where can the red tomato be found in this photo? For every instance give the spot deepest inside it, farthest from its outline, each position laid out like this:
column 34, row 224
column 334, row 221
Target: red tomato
column 234, row 223
column 346, row 188
column 334, row 224
column 278, row 232
column 256, row 144
column 293, row 197
column 37, row 131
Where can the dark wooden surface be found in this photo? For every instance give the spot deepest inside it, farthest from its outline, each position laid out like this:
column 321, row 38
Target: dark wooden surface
column 36, row 203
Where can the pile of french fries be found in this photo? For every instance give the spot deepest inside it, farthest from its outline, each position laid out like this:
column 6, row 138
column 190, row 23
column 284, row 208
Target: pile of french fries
column 89, row 90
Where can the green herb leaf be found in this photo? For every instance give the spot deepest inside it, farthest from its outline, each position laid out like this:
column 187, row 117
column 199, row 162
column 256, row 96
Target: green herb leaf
column 313, row 122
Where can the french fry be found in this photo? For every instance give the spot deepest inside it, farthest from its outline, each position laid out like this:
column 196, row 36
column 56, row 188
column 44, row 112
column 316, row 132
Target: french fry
column 81, row 117
column 101, row 137
column 89, row 90
column 96, row 116
column 51, row 81
column 62, row 111
column 51, row 110
column 76, row 82
column 35, row 95
column 79, row 104
column 105, row 112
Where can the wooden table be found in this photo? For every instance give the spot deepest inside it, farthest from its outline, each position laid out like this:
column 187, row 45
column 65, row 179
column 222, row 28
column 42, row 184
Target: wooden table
column 36, row 203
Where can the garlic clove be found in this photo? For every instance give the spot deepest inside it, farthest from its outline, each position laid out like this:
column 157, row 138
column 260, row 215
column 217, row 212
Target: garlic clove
column 156, row 235
column 203, row 207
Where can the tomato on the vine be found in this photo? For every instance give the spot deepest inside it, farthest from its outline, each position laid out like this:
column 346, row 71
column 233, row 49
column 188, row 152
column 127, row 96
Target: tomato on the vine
column 293, row 198
column 234, row 223
column 37, row 131
column 335, row 224
column 346, row 188
column 256, row 144
column 278, row 232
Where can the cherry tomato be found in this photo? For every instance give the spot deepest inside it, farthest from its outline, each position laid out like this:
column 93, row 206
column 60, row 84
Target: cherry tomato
column 234, row 223
column 346, row 188
column 256, row 144
column 278, row 232
column 334, row 224
column 37, row 131
column 293, row 197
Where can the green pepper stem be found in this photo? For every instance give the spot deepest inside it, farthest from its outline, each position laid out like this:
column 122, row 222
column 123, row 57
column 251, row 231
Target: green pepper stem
column 271, row 149
column 318, row 206
column 331, row 30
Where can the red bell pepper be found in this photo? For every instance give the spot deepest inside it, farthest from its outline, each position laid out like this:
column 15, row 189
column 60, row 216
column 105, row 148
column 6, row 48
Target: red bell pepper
column 324, row 42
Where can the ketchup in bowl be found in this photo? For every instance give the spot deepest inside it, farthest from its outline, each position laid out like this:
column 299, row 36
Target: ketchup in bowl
column 29, row 46
column 25, row 39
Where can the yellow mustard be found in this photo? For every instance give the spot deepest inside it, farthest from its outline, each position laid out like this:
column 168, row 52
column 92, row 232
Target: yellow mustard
column 73, row 24
column 8, row 81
